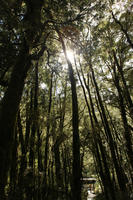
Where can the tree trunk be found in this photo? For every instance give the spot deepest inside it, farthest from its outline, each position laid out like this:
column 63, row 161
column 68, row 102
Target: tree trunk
column 127, row 132
column 46, row 151
column 14, row 169
column 99, row 149
column 118, row 168
column 76, row 171
column 11, row 100
column 123, row 30
column 9, row 109
column 127, row 95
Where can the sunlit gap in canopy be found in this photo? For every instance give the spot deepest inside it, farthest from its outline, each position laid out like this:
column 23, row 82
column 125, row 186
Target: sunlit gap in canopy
column 70, row 55
column 43, row 86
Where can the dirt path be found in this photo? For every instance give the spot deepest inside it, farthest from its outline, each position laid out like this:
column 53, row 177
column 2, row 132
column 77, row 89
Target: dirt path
column 90, row 196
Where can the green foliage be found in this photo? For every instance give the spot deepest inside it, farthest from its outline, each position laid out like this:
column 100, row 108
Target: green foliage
column 95, row 37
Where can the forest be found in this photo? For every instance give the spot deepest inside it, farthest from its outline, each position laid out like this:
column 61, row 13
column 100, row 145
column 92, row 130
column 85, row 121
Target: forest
column 66, row 99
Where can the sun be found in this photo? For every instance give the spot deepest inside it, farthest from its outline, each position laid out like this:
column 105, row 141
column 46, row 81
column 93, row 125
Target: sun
column 70, row 55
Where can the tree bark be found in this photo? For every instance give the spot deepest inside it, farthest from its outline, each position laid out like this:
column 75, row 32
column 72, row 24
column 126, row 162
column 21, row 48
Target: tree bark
column 11, row 100
column 127, row 132
column 118, row 168
column 46, row 150
column 9, row 109
column 76, row 169
column 99, row 149
column 127, row 95
column 123, row 30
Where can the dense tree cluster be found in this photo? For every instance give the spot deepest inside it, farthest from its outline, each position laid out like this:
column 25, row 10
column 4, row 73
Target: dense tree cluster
column 66, row 93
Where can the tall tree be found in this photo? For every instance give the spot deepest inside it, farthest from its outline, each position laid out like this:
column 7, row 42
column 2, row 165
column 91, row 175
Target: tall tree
column 76, row 173
column 12, row 97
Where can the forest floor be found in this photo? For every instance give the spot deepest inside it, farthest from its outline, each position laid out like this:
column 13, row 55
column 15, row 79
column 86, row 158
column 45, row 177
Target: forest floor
column 91, row 196
column 88, row 196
